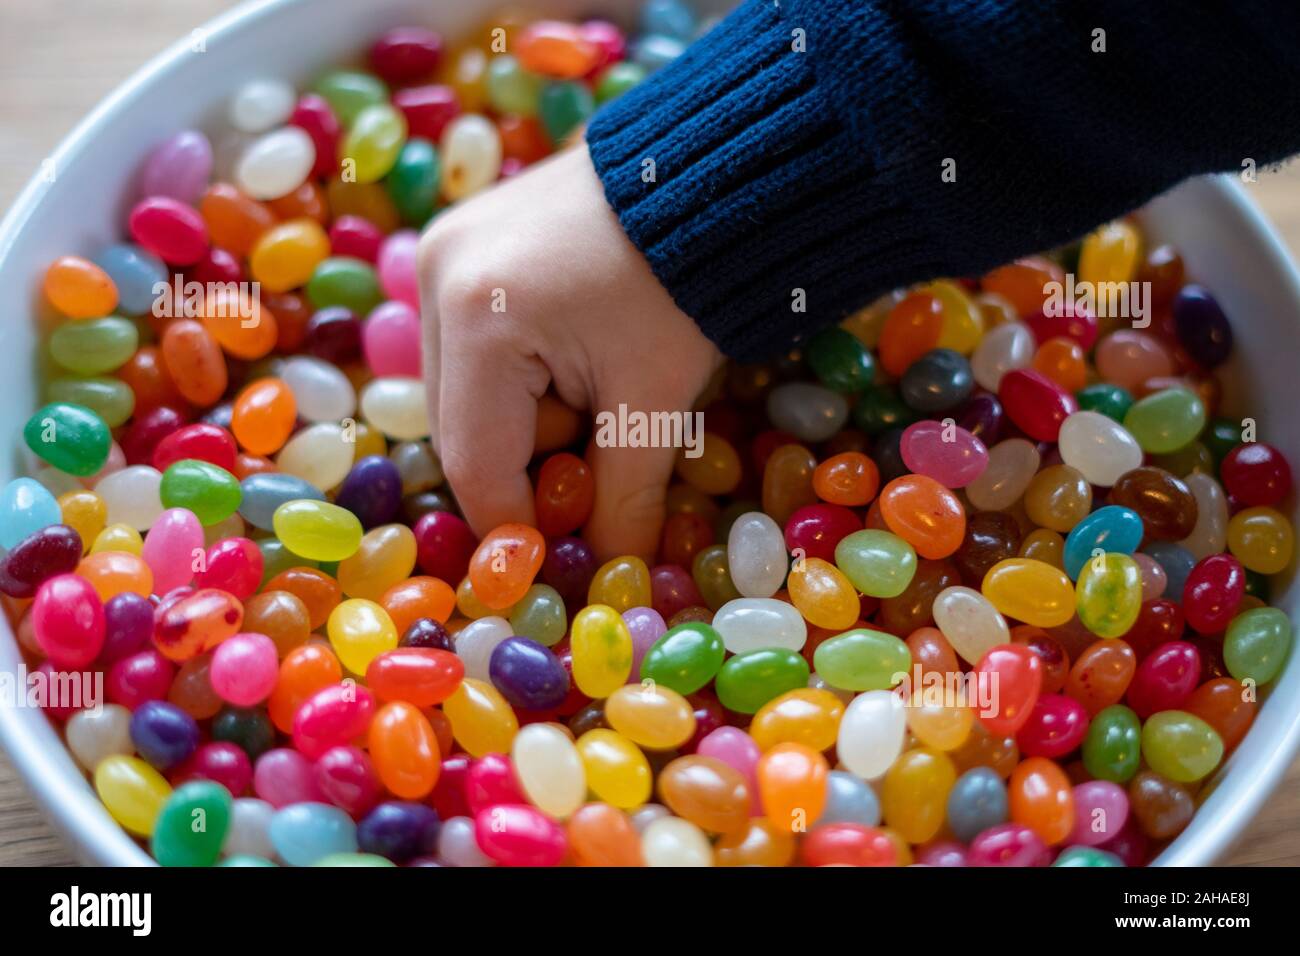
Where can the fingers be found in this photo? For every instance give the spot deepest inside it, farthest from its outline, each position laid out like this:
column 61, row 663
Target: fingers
column 629, row 509
column 430, row 335
column 487, row 423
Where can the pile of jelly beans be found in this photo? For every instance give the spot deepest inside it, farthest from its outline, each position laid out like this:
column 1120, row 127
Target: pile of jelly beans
column 236, row 520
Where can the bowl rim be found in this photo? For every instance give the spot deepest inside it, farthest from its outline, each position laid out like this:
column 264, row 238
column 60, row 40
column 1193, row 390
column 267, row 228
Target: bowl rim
column 60, row 788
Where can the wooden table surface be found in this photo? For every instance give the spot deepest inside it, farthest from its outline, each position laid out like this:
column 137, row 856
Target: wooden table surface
column 58, row 58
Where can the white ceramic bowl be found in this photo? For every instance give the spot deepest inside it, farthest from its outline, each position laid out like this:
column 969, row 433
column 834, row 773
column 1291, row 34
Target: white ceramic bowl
column 1226, row 243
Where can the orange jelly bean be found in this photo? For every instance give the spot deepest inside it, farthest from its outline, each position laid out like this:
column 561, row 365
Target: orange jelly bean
column 925, row 514
column 79, row 289
column 404, row 750
column 603, row 835
column 423, row 676
column 194, row 362
column 1062, row 360
column 242, row 325
column 792, row 786
column 418, row 597
column 147, row 376
column 566, row 490
column 263, row 416
column 1024, row 283
column 192, row 691
column 197, row 623
column 711, row 794
column 316, row 589
column 116, row 572
column 849, row 478
column 281, row 616
column 304, row 671
column 760, row 843
column 556, row 49
column 1040, row 797
column 912, row 329
column 502, row 569
column 235, row 222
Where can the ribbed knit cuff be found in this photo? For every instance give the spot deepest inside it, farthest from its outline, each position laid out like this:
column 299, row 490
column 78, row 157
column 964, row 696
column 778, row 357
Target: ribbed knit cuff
column 760, row 200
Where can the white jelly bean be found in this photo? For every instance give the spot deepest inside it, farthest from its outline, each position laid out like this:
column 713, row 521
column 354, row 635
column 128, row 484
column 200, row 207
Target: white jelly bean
column 752, row 624
column 397, row 407
column 320, row 454
column 1012, row 466
column 549, row 769
column 322, row 391
column 457, row 845
column 1006, row 348
column 250, row 825
column 98, row 733
column 132, row 496
column 1100, row 447
column 809, row 412
column 275, row 164
column 477, row 640
column 471, row 156
column 756, row 555
column 672, row 841
column 1210, row 533
column 260, row 105
column 871, row 733
column 970, row 622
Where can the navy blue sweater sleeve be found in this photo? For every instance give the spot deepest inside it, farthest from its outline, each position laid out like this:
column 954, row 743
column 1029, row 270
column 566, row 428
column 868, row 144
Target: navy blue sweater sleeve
column 802, row 144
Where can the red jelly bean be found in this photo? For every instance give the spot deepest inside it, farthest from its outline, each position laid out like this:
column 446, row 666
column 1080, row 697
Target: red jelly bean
column 139, row 677
column 428, row 109
column 519, row 836
column 171, row 230
column 233, row 565
column 314, row 116
column 422, row 676
column 1071, row 321
column 1165, row 679
column 346, row 778
column 1213, row 593
column 1055, row 727
column 444, row 544
column 1016, row 673
column 201, row 441
column 219, row 761
column 405, row 54
column 1256, row 474
column 448, row 796
column 145, row 433
column 1158, row 622
column 490, row 782
column 331, row 717
column 68, row 621
column 848, row 844
column 1035, row 403
column 817, row 529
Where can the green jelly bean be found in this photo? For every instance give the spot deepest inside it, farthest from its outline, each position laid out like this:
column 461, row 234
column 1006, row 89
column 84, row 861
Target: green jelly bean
column 353, row 859
column 564, row 106
column 109, row 398
column 1181, row 746
column 878, row 564
column 862, row 659
column 1108, row 595
column 342, row 280
column 414, row 180
column 1165, row 421
column 348, row 92
column 1221, row 436
column 840, row 360
column 1086, row 856
column 211, row 492
column 94, row 346
column 374, row 141
column 1257, row 585
column 540, row 615
column 1109, row 400
column 617, row 80
column 748, row 681
column 879, row 409
column 1112, row 749
column 192, row 825
column 70, row 437
column 276, row 558
column 511, row 89
column 684, row 659
column 1257, row 643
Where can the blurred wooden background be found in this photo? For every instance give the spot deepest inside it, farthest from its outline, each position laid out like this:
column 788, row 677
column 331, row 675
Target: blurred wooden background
column 58, row 58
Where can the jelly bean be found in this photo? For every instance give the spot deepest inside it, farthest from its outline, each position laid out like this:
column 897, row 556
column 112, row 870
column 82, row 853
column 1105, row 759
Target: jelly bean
column 1017, row 673
column 915, row 793
column 1058, row 497
column 1256, row 475
column 194, row 361
column 1221, row 704
column 1056, row 726
column 809, row 412
column 756, row 555
column 26, row 507
column 384, row 558
column 970, row 622
column 1261, row 538
column 1202, row 328
column 528, row 675
column 1165, row 503
column 748, row 681
column 112, row 573
column 262, row 494
column 685, row 659
column 96, row 734
column 1101, row 809
column 1039, row 796
column 1030, row 591
column 481, row 719
column 305, row 833
column 1112, row 747
column 849, row 799
column 1008, row 844
column 404, row 750
column 132, row 791
column 947, row 453
column 211, row 493
column 505, row 564
column 925, row 514
column 654, row 717
column 792, row 785
column 260, row 105
column 1161, row 807
column 285, row 256
column 94, row 346
column 1167, row 420
column 621, row 583
column 397, row 831
column 877, row 563
column 1213, row 592
column 1036, row 404
column 1113, row 528
column 806, row 716
column 991, row 537
column 976, row 802
column 1099, row 447
column 317, row 530
column 1004, row 349
column 862, row 659
column 821, row 593
column 68, row 621
column 197, row 622
column 672, row 841
column 244, row 669
column 787, row 482
column 333, row 715
column 176, row 840
column 1256, row 644
column 359, row 631
column 275, row 163
column 170, row 229
column 1181, row 746
column 707, row 792
column 1012, row 466
column 871, row 733
column 1109, row 594
column 264, row 416
column 72, row 438
column 840, row 361
column 163, row 734
column 1101, row 675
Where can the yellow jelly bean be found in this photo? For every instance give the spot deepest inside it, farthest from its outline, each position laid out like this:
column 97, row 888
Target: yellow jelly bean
column 317, row 530
column 467, row 603
column 1045, row 545
column 1110, row 254
column 809, row 716
column 369, row 441
column 132, row 791
column 936, row 725
column 622, row 583
column 360, row 630
column 1261, row 539
column 385, row 557
column 601, row 646
column 482, row 721
column 617, row 771
column 1109, row 594
column 914, row 795
column 285, row 256
column 118, row 537
column 963, row 323
column 650, row 715
column 1030, row 591
column 823, row 594
column 85, row 513
column 1058, row 497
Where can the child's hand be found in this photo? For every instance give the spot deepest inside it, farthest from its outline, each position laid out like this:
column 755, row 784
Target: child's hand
column 531, row 283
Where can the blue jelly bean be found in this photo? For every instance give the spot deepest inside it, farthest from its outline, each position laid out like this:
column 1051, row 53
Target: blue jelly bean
column 977, row 801
column 1113, row 528
column 1177, row 562
column 372, row 491
column 26, row 506
column 671, row 18
column 264, row 492
column 939, row 380
column 305, row 832
column 136, row 272
column 163, row 734
column 399, row 830
column 1201, row 327
column 528, row 674
column 849, row 799
column 655, row 51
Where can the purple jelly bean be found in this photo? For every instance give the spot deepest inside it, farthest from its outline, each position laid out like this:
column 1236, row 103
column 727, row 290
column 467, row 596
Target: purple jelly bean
column 426, row 632
column 982, row 416
column 646, row 626
column 372, row 491
column 179, row 167
column 399, row 830
column 1201, row 327
column 528, row 674
column 54, row 549
column 334, row 334
column 569, row 567
column 128, row 626
column 163, row 734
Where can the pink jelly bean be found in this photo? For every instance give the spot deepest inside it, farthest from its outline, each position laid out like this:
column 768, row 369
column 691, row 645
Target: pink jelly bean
column 428, row 109
column 244, row 669
column 314, row 116
column 218, row 266
column 220, row 761
column 356, row 237
column 1100, row 811
column 68, row 621
column 519, row 836
column 738, row 750
column 390, row 338
column 170, row 548
column 347, row 778
column 1056, row 725
column 334, row 715
column 647, row 626
column 139, row 677
column 490, row 782
column 234, row 565
column 1128, row 358
column 1007, row 844
column 397, row 267
column 284, row 776
column 607, row 38
column 943, row 853
column 945, row 452
column 1165, row 678
column 171, row 230
column 1154, row 578
column 178, row 168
